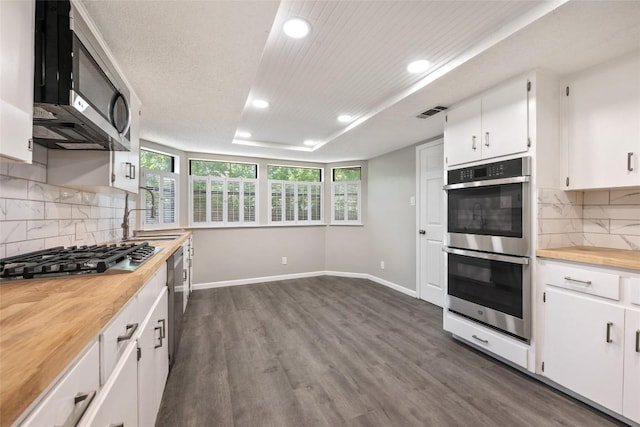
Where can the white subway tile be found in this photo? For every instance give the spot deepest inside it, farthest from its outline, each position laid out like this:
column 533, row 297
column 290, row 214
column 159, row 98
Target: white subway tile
column 86, row 226
column 596, row 225
column 555, row 196
column 32, row 172
column 615, row 241
column 104, row 200
column 13, row 188
column 625, row 197
column 625, row 227
column 57, row 210
column 612, row 212
column 4, row 166
column 13, row 231
column 67, row 227
column 44, row 192
column 548, row 241
column 90, row 199
column 19, row 248
column 3, row 210
column 3, row 251
column 596, row 198
column 81, row 212
column 52, row 242
column 68, row 195
column 102, row 212
column 556, row 226
column 42, row 229
column 557, row 211
column 24, row 210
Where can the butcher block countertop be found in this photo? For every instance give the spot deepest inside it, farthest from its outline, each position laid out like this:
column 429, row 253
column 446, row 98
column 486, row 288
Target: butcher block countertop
column 618, row 258
column 46, row 323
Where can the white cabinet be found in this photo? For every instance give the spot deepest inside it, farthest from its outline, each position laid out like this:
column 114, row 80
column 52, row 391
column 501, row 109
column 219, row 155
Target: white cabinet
column 631, row 393
column 493, row 125
column 591, row 337
column 17, row 20
column 602, row 129
column 153, row 366
column 99, row 169
column 584, row 346
column 117, row 403
column 187, row 251
column 71, row 396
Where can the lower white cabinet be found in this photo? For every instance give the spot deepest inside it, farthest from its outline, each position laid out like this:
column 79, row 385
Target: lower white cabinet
column 631, row 394
column 117, row 403
column 584, row 346
column 153, row 366
column 71, row 396
column 592, row 333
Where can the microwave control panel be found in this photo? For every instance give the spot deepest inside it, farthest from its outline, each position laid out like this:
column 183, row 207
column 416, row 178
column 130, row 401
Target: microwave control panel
column 496, row 170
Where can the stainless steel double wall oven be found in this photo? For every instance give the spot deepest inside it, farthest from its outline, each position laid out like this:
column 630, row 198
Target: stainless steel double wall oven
column 489, row 244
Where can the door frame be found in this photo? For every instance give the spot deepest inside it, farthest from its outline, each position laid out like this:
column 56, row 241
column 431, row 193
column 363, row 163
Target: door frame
column 428, row 144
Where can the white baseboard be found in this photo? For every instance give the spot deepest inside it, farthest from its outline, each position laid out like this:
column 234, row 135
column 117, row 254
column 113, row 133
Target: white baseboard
column 252, row 280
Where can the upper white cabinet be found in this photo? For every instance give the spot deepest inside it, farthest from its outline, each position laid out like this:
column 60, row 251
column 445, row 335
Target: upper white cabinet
column 114, row 169
column 602, row 129
column 17, row 20
column 492, row 125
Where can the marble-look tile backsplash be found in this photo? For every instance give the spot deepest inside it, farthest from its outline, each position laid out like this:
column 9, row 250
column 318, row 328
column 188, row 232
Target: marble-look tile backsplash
column 609, row 218
column 35, row 215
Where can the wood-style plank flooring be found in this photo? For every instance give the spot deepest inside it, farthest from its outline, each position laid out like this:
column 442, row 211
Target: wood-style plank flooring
column 332, row 351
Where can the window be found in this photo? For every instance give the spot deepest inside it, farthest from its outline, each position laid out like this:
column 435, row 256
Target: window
column 295, row 195
column 227, row 195
column 158, row 176
column 346, row 195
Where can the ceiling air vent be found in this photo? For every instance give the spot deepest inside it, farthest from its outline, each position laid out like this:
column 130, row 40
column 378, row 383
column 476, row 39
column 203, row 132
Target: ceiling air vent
column 431, row 112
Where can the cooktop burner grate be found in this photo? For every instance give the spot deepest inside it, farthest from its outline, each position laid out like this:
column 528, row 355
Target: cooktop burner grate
column 60, row 261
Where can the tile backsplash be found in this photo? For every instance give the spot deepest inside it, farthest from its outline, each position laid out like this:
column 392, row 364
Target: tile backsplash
column 35, row 215
column 609, row 218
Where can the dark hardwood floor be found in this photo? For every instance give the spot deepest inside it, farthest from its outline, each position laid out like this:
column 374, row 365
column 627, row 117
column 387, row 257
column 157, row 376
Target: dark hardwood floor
column 331, row 351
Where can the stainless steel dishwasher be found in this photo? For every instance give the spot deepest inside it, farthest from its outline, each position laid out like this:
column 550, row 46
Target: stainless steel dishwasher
column 175, row 283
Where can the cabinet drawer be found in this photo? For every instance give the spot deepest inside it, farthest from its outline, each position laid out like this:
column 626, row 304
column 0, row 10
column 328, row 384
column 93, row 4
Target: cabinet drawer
column 121, row 331
column 587, row 281
column 148, row 294
column 485, row 338
column 66, row 398
column 634, row 288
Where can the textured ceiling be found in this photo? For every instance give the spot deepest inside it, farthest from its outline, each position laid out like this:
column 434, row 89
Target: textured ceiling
column 196, row 65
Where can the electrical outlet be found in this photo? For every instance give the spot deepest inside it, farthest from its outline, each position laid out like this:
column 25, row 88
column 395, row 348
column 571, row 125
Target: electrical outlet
column 284, row 260
column 382, row 265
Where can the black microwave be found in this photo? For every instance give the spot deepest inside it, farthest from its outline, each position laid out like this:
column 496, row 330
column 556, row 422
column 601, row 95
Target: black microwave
column 80, row 102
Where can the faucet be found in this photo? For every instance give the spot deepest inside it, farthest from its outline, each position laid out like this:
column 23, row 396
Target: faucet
column 127, row 211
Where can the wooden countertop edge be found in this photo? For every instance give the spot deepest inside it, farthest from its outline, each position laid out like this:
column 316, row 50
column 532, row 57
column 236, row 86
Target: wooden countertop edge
column 606, row 257
column 37, row 345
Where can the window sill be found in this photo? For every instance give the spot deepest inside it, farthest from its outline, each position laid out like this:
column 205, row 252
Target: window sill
column 226, row 227
column 343, row 224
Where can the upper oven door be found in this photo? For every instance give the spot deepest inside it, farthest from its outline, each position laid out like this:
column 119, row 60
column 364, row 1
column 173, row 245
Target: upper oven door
column 491, row 216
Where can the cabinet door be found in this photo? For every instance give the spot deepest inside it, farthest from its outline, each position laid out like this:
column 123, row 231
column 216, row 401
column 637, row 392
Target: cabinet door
column 576, row 352
column 117, row 403
column 603, row 126
column 505, row 120
column 631, row 394
column 462, row 133
column 153, row 366
column 17, row 20
column 127, row 163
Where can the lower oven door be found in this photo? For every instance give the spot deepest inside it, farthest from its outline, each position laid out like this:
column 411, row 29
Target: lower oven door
column 492, row 288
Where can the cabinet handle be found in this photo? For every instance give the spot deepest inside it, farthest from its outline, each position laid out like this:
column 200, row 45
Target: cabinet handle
column 486, row 139
column 473, row 142
column 80, row 404
column 638, row 341
column 158, row 328
column 581, row 282
column 127, row 173
column 480, row 339
column 117, row 425
column 609, row 325
column 629, row 167
column 184, row 275
column 133, row 171
column 131, row 329
column 164, row 328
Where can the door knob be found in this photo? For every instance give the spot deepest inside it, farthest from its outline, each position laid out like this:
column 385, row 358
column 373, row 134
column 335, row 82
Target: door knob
column 422, row 232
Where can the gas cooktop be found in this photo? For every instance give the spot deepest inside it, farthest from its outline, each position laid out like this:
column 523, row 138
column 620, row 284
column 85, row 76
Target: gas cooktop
column 61, row 261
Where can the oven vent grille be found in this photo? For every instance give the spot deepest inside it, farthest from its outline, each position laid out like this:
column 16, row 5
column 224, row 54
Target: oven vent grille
column 431, row 112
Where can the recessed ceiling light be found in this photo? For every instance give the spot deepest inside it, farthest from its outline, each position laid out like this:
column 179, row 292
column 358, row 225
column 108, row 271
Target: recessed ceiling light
column 309, row 142
column 243, row 134
column 296, row 28
column 260, row 103
column 419, row 66
column 345, row 118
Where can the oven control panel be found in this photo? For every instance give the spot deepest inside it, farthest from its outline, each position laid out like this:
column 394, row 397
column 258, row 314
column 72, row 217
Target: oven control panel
column 496, row 170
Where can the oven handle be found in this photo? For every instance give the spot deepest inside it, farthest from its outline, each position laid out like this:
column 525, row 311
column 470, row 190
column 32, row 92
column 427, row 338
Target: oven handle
column 488, row 182
column 491, row 257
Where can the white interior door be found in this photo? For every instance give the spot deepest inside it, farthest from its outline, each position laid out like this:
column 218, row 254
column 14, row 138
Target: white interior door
column 431, row 222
